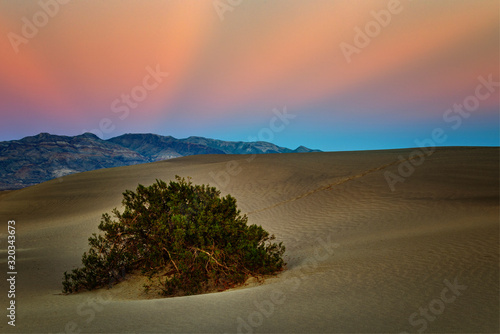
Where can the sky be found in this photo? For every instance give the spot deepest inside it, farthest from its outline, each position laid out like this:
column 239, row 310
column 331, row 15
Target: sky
column 327, row 74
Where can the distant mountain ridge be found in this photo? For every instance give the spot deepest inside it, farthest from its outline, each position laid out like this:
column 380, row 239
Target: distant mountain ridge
column 43, row 157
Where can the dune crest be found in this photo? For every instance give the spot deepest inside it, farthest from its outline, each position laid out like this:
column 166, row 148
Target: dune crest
column 361, row 257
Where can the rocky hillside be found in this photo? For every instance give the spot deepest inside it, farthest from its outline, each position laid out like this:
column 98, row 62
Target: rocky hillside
column 40, row 158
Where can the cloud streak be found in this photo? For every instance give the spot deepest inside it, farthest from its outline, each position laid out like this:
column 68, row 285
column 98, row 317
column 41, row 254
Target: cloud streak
column 262, row 55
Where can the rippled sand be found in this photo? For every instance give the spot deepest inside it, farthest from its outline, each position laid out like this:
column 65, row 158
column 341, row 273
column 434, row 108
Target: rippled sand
column 361, row 257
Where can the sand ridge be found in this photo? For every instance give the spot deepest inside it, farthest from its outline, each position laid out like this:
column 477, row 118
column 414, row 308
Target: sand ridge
column 361, row 258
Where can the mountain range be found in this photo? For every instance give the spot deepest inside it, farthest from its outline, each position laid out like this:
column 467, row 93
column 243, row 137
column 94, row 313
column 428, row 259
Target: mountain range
column 43, row 157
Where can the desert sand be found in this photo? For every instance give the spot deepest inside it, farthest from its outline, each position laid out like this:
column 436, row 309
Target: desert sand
column 361, row 257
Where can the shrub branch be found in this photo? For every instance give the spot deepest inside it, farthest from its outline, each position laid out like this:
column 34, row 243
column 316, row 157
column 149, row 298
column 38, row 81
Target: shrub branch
column 202, row 234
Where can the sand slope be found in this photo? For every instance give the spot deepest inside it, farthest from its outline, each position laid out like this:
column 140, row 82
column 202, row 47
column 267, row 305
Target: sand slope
column 361, row 258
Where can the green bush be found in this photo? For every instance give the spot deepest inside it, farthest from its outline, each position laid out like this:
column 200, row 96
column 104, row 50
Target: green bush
column 187, row 237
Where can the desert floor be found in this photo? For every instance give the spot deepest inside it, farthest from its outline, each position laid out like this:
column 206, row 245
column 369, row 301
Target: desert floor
column 361, row 257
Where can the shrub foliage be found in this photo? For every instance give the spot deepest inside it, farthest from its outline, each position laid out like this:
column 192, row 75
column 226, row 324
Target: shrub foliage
column 188, row 237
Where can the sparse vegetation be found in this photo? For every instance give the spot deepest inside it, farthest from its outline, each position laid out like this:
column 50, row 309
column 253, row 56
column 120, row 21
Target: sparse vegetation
column 186, row 238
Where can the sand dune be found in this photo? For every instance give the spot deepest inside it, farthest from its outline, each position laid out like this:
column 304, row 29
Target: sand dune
column 361, row 258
